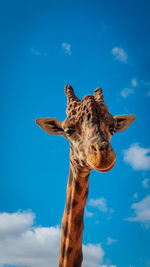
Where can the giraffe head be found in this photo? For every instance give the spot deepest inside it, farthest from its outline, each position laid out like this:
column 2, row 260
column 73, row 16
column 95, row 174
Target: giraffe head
column 89, row 127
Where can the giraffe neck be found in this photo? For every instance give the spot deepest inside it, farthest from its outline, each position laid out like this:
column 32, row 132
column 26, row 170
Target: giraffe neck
column 72, row 222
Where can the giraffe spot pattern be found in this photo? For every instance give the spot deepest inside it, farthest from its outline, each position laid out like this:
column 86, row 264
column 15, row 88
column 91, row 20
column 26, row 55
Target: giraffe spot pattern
column 77, row 161
column 63, row 251
column 68, row 205
column 86, row 177
column 70, row 237
column 69, row 250
column 83, row 163
column 88, row 116
column 70, row 177
column 81, row 119
column 78, row 187
column 86, row 194
column 78, row 258
column 78, row 235
column 65, row 228
column 74, row 112
column 74, row 203
column 78, row 221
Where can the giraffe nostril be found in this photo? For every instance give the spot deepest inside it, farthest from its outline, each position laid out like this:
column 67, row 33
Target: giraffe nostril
column 103, row 146
column 93, row 148
column 107, row 146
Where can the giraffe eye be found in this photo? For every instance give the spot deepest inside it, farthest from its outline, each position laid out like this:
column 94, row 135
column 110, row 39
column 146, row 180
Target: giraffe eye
column 69, row 132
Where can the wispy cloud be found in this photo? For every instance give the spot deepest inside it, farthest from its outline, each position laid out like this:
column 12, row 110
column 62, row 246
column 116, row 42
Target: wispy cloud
column 119, row 54
column 126, row 92
column 146, row 183
column 88, row 214
column 134, row 82
column 111, row 241
column 129, row 90
column 135, row 195
column 137, row 157
column 37, row 52
column 146, row 84
column 67, row 48
column 101, row 205
column 23, row 244
column 142, row 212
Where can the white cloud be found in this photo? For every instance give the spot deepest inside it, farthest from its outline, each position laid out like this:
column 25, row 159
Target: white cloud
column 126, row 92
column 67, row 48
column 135, row 195
column 29, row 246
column 120, row 54
column 23, row 244
column 94, row 255
column 12, row 224
column 137, row 157
column 88, row 214
column 146, row 183
column 146, row 84
column 99, row 203
column 142, row 212
column 111, row 241
column 134, row 82
column 37, row 52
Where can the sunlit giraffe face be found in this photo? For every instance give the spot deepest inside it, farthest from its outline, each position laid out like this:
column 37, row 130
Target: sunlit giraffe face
column 89, row 127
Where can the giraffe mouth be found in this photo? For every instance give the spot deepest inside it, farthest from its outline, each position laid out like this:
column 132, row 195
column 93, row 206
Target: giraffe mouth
column 101, row 168
column 108, row 168
column 102, row 161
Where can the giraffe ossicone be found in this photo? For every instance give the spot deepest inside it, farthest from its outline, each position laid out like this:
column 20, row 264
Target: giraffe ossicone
column 89, row 127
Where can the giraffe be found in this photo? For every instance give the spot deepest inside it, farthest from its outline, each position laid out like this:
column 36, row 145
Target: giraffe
column 89, row 127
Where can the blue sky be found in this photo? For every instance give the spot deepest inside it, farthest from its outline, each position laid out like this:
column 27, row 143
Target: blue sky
column 45, row 45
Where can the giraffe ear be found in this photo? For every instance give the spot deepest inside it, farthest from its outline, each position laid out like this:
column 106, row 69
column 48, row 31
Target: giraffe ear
column 51, row 126
column 123, row 122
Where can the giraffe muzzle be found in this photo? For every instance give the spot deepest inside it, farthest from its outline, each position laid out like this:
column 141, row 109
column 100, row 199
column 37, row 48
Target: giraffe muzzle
column 101, row 157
